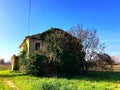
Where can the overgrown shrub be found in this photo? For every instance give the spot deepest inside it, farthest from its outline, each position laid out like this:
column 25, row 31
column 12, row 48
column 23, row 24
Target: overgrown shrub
column 23, row 59
column 66, row 56
column 36, row 64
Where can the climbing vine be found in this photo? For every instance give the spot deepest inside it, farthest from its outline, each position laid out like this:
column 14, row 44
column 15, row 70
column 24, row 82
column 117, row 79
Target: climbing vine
column 23, row 59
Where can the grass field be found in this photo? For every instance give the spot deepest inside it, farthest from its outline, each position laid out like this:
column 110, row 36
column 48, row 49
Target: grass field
column 89, row 81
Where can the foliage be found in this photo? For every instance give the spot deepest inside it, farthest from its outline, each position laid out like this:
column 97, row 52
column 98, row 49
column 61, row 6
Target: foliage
column 65, row 56
column 48, row 32
column 106, row 58
column 23, row 59
column 36, row 64
column 103, row 61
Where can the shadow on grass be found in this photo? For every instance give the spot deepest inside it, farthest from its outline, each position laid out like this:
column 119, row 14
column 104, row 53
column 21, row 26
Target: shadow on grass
column 12, row 74
column 99, row 76
column 88, row 76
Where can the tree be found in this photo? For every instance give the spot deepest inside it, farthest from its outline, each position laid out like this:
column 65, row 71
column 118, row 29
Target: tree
column 2, row 61
column 64, row 52
column 90, row 41
column 105, row 57
column 115, row 60
column 104, row 62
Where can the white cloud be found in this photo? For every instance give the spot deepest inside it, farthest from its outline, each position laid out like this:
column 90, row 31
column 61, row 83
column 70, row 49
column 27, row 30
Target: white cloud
column 6, row 57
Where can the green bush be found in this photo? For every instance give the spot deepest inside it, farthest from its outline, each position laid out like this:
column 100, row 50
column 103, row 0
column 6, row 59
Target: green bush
column 23, row 59
column 65, row 57
column 36, row 64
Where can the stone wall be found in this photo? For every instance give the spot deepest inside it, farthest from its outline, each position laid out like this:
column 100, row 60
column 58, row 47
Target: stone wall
column 32, row 45
column 15, row 62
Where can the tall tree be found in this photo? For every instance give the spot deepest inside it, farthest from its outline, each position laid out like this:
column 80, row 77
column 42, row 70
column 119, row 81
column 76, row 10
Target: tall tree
column 90, row 41
column 65, row 51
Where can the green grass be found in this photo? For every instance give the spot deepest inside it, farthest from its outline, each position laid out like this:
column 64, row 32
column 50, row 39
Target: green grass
column 88, row 81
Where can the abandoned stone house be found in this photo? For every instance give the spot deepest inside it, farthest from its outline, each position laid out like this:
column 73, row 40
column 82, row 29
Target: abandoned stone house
column 37, row 44
column 33, row 43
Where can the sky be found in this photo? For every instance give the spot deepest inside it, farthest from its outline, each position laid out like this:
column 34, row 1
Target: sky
column 102, row 15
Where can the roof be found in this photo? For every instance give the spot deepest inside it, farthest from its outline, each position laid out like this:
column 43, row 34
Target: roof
column 35, row 36
column 24, row 41
column 41, row 36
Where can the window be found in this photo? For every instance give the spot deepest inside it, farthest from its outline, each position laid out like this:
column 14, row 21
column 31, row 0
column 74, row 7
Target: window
column 37, row 46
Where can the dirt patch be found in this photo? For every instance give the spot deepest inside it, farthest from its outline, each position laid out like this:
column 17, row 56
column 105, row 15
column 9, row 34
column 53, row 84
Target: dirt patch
column 117, row 86
column 10, row 84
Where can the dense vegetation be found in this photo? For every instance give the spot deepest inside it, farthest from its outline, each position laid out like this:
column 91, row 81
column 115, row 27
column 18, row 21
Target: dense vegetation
column 36, row 65
column 64, row 54
column 62, row 61
column 57, row 58
column 23, row 59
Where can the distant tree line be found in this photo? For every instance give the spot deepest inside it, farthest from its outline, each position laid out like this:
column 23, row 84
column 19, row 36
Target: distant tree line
column 2, row 61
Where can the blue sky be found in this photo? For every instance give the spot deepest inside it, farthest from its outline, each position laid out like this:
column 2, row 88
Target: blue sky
column 102, row 15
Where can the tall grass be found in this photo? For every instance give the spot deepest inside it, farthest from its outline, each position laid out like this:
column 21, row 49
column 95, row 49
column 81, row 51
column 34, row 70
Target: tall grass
column 88, row 81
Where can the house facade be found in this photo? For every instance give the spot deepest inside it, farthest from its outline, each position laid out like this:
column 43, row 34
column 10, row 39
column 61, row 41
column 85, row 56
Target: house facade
column 60, row 49
column 33, row 44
